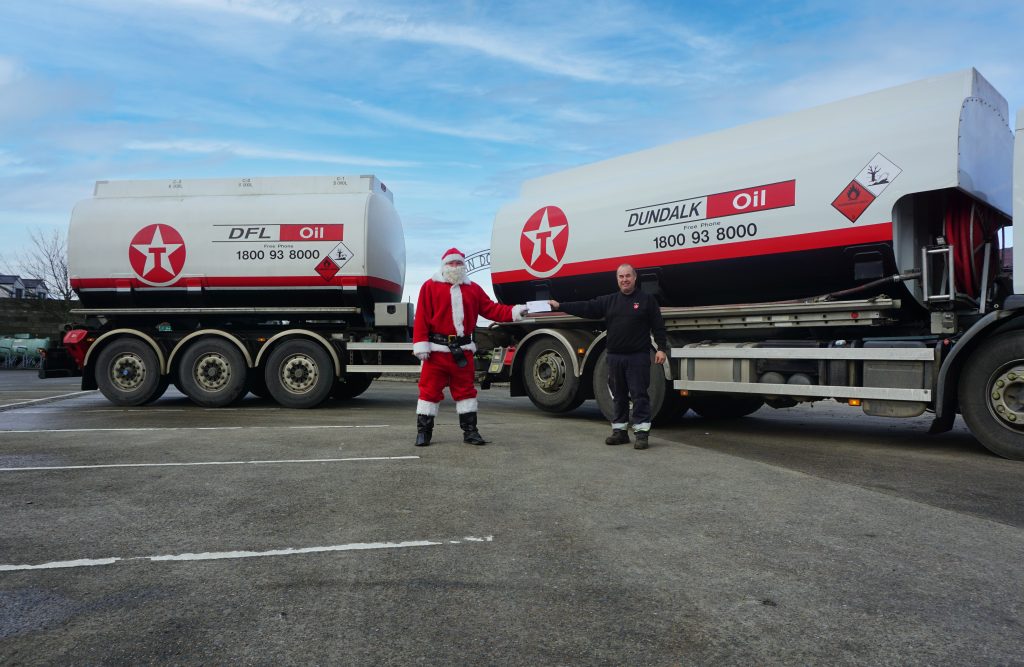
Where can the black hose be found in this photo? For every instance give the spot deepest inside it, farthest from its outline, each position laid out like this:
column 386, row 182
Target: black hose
column 894, row 279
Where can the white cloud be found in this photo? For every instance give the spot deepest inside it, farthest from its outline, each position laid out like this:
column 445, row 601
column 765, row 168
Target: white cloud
column 495, row 129
column 12, row 165
column 256, row 152
column 10, row 71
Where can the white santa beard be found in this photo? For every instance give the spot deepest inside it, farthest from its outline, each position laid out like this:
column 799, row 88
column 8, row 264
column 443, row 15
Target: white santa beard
column 458, row 314
column 454, row 274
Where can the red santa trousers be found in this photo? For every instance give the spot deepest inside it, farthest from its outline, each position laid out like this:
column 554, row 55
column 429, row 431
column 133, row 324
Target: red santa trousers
column 440, row 371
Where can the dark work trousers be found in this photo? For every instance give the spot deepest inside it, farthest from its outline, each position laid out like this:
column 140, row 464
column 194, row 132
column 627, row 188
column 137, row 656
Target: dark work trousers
column 628, row 377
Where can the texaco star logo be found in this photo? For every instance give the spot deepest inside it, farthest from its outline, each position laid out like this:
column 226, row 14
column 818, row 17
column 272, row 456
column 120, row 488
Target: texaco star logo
column 157, row 254
column 544, row 240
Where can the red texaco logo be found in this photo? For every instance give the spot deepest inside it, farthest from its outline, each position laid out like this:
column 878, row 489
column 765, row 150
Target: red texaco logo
column 157, row 254
column 544, row 239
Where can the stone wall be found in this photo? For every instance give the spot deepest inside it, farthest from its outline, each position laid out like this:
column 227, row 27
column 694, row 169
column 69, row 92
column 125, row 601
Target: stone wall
column 39, row 317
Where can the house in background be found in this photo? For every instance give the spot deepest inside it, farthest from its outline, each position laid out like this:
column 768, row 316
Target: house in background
column 11, row 287
column 35, row 288
column 16, row 287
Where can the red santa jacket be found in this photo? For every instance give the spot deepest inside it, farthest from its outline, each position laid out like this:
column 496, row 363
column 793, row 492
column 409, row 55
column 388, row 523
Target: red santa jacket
column 451, row 310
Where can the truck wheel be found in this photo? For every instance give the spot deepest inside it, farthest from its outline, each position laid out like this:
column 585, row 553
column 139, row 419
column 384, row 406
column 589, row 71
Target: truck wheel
column 299, row 374
column 212, row 373
column 666, row 403
column 992, row 395
column 548, row 377
column 725, row 406
column 128, row 372
column 351, row 385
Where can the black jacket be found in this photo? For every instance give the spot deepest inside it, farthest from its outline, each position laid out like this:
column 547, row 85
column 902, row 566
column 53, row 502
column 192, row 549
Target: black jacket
column 631, row 320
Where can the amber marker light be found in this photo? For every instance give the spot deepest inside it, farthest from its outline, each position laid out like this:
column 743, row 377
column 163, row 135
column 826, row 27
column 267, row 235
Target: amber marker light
column 854, row 402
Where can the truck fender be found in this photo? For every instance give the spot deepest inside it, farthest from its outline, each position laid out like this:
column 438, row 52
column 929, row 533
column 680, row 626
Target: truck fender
column 996, row 322
column 129, row 332
column 210, row 332
column 301, row 333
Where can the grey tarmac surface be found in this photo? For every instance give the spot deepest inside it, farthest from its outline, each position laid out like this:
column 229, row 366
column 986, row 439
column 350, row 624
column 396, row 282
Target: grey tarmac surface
column 814, row 535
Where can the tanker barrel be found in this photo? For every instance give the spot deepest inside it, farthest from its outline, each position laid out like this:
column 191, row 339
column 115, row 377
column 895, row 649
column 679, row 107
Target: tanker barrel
column 31, row 350
column 6, row 352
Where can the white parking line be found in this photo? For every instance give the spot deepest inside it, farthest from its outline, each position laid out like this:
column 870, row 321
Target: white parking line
column 228, row 555
column 48, row 398
column 210, row 463
column 191, row 428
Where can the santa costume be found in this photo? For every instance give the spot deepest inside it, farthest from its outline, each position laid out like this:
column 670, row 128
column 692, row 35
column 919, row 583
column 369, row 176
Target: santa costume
column 442, row 335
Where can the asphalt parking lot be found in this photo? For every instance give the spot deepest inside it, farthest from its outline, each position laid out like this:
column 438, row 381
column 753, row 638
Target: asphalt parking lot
column 258, row 535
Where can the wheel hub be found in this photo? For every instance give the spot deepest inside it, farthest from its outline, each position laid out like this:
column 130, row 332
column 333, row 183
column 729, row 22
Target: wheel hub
column 128, row 371
column 1006, row 397
column 212, row 371
column 299, row 374
column 549, row 372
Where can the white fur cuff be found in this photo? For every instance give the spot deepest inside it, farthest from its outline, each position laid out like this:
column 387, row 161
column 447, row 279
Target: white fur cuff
column 517, row 312
column 421, row 347
column 426, row 408
column 466, row 405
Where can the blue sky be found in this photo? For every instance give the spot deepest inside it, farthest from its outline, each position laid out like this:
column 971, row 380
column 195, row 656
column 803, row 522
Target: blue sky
column 451, row 104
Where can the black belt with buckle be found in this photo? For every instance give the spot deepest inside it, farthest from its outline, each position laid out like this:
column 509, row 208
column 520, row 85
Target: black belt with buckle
column 441, row 339
column 454, row 344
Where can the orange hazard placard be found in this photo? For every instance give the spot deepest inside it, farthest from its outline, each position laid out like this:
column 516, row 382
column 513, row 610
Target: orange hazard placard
column 853, row 200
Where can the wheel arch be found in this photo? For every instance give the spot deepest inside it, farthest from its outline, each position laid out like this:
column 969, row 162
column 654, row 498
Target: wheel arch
column 106, row 338
column 994, row 324
column 289, row 334
column 212, row 333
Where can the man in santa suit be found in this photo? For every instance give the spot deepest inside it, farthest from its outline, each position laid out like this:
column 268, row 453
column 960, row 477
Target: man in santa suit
column 442, row 336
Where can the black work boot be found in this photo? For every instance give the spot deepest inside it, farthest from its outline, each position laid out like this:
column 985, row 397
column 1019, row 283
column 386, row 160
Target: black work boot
column 424, row 429
column 641, row 440
column 618, row 437
column 467, row 420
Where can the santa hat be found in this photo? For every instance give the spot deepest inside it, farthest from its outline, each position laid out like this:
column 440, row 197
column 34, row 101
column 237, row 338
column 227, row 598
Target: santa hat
column 452, row 254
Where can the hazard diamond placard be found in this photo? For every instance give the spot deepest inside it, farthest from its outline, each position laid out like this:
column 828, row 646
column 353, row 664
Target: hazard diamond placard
column 327, row 268
column 853, row 200
column 866, row 187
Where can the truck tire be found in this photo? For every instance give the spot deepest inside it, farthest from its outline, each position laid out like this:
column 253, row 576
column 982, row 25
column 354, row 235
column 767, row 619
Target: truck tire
column 548, row 377
column 128, row 372
column 666, row 403
column 725, row 406
column 212, row 373
column 991, row 395
column 299, row 374
column 351, row 385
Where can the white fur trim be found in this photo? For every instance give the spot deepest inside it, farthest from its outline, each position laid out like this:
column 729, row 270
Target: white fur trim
column 421, row 347
column 426, row 408
column 458, row 313
column 517, row 312
column 448, row 258
column 466, row 405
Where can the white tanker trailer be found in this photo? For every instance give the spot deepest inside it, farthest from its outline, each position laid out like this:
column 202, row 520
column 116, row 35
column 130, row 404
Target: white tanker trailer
column 283, row 286
column 852, row 251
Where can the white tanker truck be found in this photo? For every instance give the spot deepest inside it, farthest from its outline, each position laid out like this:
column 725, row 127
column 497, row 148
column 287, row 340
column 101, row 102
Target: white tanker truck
column 853, row 251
